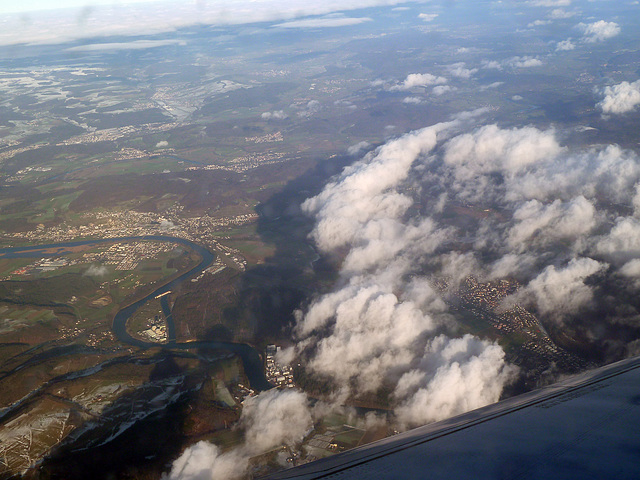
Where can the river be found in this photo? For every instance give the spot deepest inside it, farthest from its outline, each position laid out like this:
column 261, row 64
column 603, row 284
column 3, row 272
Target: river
column 251, row 360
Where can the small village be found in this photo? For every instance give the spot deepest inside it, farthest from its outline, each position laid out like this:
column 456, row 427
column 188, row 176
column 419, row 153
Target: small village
column 279, row 375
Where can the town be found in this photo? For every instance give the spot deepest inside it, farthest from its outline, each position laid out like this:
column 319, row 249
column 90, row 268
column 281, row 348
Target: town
column 128, row 223
column 279, row 375
column 484, row 301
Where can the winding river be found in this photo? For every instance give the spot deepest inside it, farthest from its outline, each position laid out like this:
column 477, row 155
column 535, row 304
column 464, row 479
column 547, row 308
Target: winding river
column 250, row 357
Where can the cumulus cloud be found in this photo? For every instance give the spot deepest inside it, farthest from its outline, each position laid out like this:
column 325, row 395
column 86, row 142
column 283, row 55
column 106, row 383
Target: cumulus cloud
column 275, row 417
column 459, row 70
column 491, row 64
column 540, row 224
column 513, row 62
column 635, row 201
column 553, row 196
column 623, row 241
column 565, row 45
column 419, row 80
column 442, row 89
column 379, row 320
column 562, row 291
column 205, row 461
column 492, row 149
column 357, row 148
column 428, row 17
column 166, row 225
column 538, row 23
column 621, row 98
column 275, row 115
column 312, row 107
column 524, row 62
column 412, row 100
column 96, row 271
column 541, row 213
column 631, row 269
column 599, row 31
column 610, row 172
column 345, row 206
column 162, row 144
column 467, row 373
column 559, row 13
column 272, row 418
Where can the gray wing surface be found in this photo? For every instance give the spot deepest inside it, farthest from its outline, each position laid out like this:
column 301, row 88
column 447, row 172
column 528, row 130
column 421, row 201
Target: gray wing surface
column 585, row 427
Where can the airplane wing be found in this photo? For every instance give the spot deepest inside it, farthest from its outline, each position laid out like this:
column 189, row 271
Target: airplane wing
column 585, row 427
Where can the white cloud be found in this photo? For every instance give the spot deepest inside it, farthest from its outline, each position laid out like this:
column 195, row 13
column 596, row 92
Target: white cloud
column 97, row 271
column 543, row 212
column 512, row 264
column 631, row 268
column 378, row 82
column 538, row 23
column 362, row 192
column 275, row 417
column 599, row 31
column 491, row 64
column 459, row 70
column 621, row 98
column 412, row 100
column 271, row 419
column 428, row 17
column 312, row 107
column 562, row 291
column 565, row 45
column 162, row 144
column 524, row 62
column 609, row 172
column 622, row 243
column 513, row 62
column 456, row 376
column 326, row 22
column 357, row 148
column 491, row 85
column 492, row 149
column 635, row 201
column 166, row 226
column 377, row 321
column 559, row 14
column 538, row 224
column 60, row 26
column 205, row 461
column 275, row 115
column 419, row 80
column 442, row 89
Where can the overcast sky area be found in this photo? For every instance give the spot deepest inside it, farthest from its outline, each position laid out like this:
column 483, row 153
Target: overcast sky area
column 37, row 5
column 28, row 23
column 46, row 22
